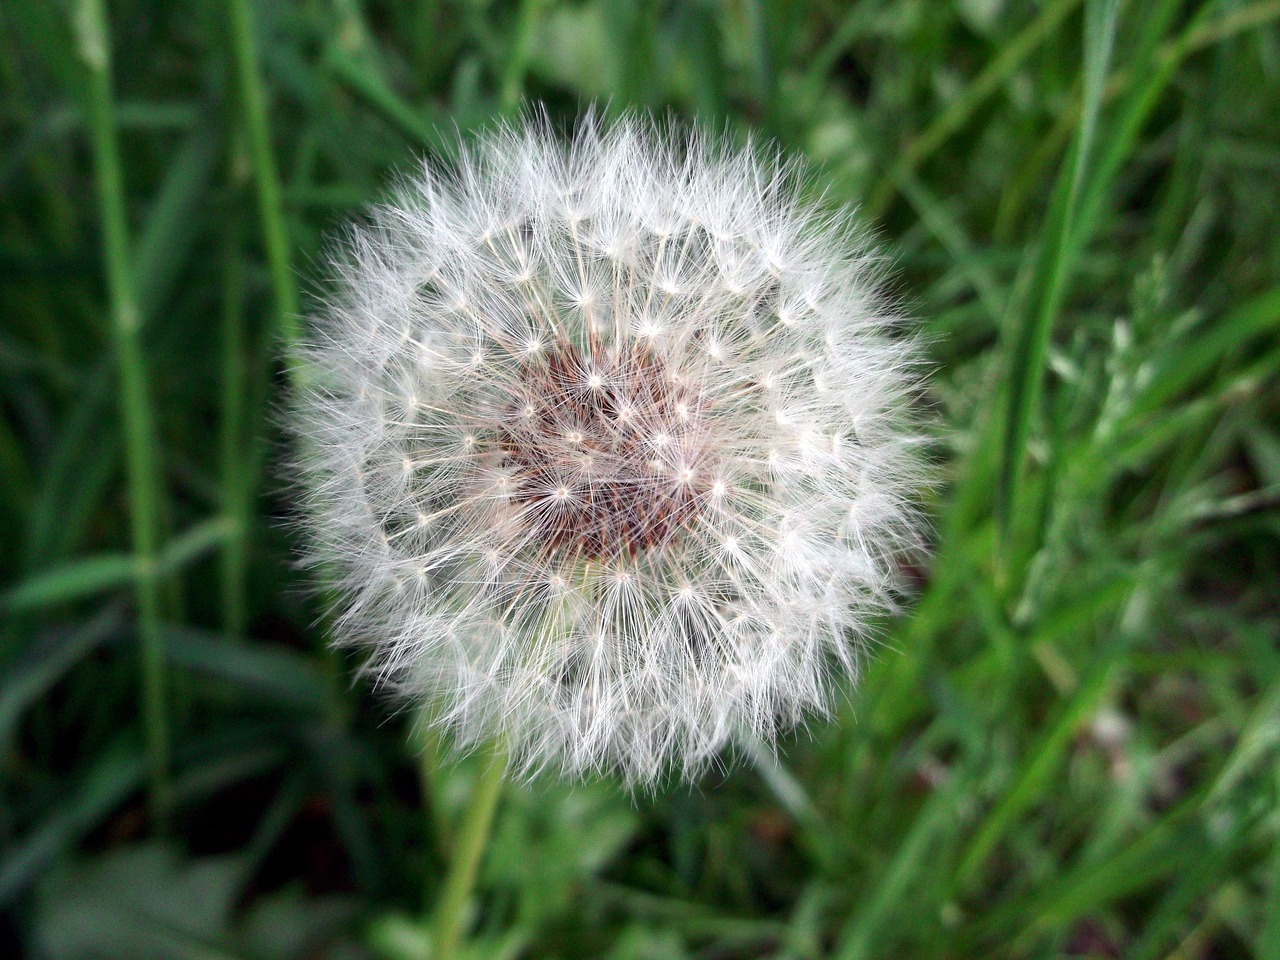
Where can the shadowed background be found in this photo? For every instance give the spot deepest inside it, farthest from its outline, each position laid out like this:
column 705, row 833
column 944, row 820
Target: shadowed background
column 1067, row 743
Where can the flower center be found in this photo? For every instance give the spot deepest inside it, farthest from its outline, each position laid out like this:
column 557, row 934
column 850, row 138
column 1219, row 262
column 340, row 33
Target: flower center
column 608, row 451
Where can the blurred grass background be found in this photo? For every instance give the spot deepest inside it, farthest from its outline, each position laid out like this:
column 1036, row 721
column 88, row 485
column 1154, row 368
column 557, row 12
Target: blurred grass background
column 1066, row 746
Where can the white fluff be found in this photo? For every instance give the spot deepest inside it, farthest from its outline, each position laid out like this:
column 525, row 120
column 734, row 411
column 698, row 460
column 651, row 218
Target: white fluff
column 607, row 446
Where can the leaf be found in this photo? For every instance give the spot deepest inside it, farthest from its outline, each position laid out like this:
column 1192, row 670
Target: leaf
column 148, row 902
column 893, row 889
column 1060, row 244
column 1011, row 56
column 116, row 775
column 291, row 924
column 75, row 473
column 190, row 546
column 1039, row 765
column 82, row 578
column 171, row 229
column 548, row 844
column 279, row 674
column 44, row 663
column 419, row 125
column 141, row 902
column 70, row 581
column 1254, row 318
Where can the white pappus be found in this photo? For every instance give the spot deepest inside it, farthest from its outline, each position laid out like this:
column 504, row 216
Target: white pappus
column 607, row 445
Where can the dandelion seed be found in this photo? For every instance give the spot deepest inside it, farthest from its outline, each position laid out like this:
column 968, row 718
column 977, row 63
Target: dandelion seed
column 637, row 518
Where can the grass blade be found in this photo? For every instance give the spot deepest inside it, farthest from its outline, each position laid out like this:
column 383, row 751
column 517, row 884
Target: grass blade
column 87, row 576
column 1059, row 247
column 70, row 581
column 113, row 778
column 1034, row 774
column 951, row 120
column 27, row 681
column 858, row 940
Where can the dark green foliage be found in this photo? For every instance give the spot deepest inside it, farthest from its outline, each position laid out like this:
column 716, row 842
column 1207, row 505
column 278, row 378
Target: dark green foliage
column 1067, row 744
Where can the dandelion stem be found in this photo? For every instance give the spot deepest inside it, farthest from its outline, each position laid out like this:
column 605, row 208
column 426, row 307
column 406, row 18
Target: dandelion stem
column 472, row 838
column 426, row 740
column 144, row 483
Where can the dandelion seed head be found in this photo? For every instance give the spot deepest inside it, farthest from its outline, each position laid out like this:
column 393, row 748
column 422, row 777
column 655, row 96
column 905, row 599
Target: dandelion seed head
column 608, row 446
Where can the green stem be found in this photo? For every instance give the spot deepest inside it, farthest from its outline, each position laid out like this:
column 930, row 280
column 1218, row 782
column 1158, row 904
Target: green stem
column 473, row 837
column 144, row 482
column 235, row 493
column 275, row 235
column 426, row 740
column 284, row 288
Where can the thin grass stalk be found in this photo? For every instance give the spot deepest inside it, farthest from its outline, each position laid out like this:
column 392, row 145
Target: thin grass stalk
column 275, row 234
column 284, row 287
column 140, row 450
column 236, row 500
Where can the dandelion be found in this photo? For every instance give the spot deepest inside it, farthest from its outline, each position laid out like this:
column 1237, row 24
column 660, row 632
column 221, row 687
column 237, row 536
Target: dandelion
column 608, row 447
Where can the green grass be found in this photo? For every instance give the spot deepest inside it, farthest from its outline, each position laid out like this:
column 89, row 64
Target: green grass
column 1066, row 744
